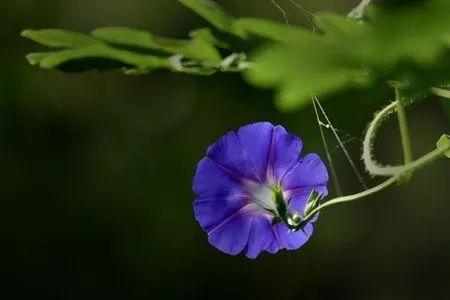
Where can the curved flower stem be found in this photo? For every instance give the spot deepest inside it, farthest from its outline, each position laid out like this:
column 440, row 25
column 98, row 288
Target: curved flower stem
column 411, row 167
column 404, row 131
column 353, row 197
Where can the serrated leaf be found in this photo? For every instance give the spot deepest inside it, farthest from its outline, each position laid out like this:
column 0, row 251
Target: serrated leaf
column 102, row 56
column 444, row 143
column 59, row 38
column 213, row 13
column 195, row 49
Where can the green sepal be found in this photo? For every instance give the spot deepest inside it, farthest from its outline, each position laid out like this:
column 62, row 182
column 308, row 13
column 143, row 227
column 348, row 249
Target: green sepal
column 313, row 201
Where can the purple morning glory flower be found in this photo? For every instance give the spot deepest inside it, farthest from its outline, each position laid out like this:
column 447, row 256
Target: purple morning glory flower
column 252, row 185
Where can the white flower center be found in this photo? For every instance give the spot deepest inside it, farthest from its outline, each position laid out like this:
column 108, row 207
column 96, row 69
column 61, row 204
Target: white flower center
column 264, row 196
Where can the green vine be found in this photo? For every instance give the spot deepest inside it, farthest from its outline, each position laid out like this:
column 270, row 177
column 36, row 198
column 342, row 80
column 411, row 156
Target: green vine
column 395, row 173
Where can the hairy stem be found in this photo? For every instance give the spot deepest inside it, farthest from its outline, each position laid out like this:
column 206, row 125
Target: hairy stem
column 371, row 165
column 404, row 131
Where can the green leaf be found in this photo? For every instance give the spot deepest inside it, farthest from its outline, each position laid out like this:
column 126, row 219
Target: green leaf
column 36, row 58
column 410, row 45
column 334, row 24
column 444, row 143
column 213, row 13
column 195, row 49
column 354, row 55
column 206, row 35
column 135, row 51
column 59, row 38
column 297, row 77
column 272, row 30
column 101, row 57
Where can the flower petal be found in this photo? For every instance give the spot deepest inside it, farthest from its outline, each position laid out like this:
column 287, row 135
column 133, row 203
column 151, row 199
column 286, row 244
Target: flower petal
column 309, row 171
column 261, row 238
column 231, row 236
column 292, row 240
column 210, row 212
column 285, row 153
column 229, row 153
column 256, row 140
column 212, row 180
column 218, row 194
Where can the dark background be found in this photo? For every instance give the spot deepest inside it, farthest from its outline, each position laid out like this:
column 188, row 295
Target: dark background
column 96, row 172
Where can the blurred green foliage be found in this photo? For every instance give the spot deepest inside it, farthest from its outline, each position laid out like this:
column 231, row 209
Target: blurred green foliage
column 341, row 53
column 96, row 174
column 387, row 46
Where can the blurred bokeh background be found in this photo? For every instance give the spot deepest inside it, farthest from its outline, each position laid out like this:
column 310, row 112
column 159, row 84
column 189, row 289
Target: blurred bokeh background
column 96, row 172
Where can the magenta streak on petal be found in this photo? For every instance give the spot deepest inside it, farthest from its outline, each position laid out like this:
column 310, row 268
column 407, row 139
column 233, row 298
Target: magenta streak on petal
column 247, row 208
column 270, row 161
column 249, row 160
column 233, row 174
column 291, row 168
column 255, row 140
column 287, row 149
